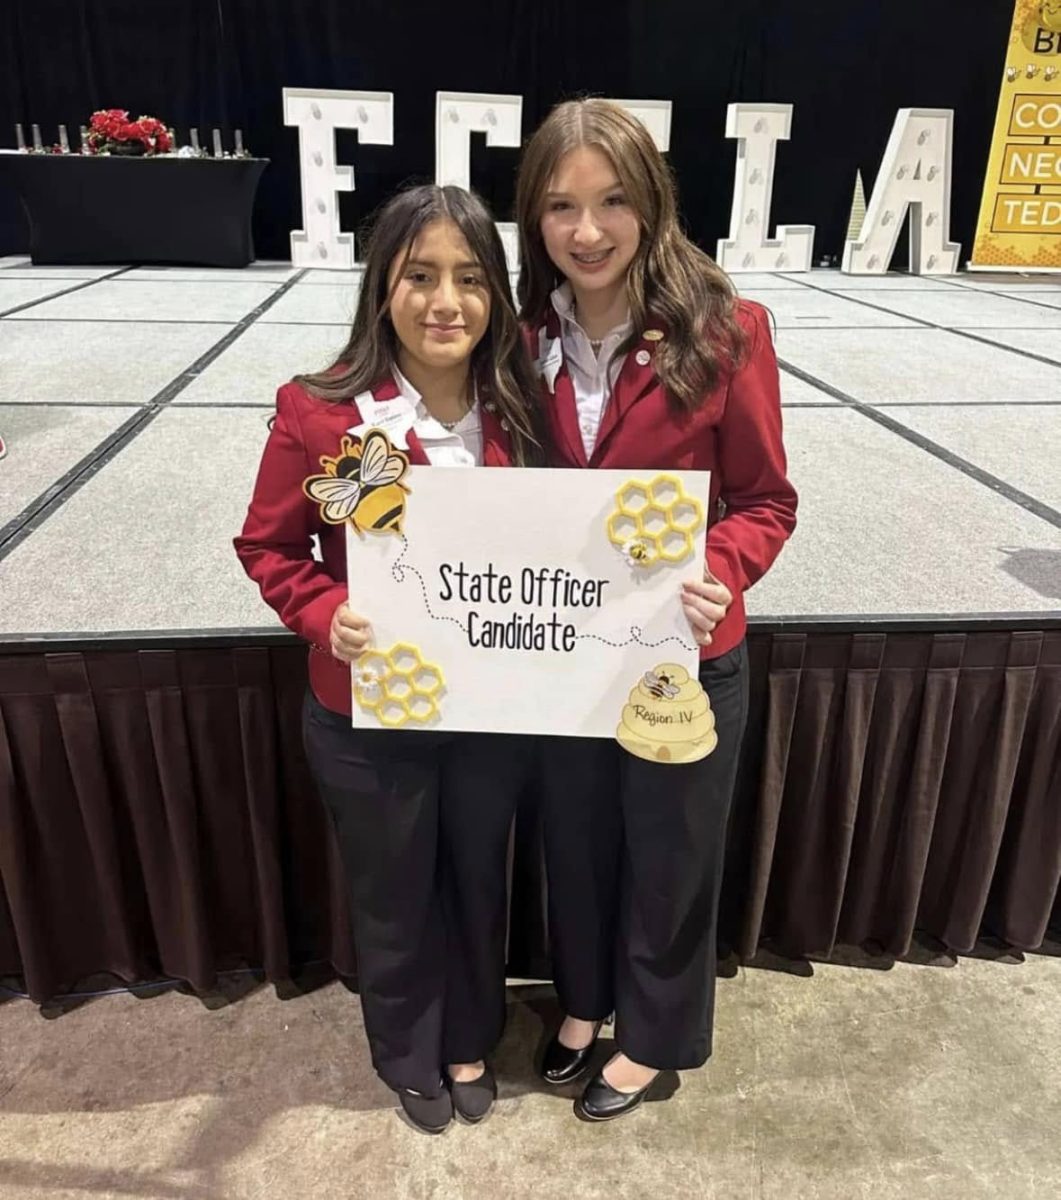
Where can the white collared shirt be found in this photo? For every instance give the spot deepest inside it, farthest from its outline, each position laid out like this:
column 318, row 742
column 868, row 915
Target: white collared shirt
column 461, row 446
column 593, row 376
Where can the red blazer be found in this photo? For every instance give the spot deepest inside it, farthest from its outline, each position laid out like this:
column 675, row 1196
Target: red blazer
column 737, row 440
column 275, row 547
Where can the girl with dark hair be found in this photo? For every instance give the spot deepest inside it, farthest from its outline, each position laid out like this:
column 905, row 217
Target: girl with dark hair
column 422, row 818
column 661, row 367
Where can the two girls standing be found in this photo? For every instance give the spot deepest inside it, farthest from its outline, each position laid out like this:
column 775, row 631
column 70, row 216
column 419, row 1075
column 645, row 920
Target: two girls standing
column 661, row 367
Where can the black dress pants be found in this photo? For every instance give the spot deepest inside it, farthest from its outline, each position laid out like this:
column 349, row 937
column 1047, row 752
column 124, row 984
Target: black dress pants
column 634, row 856
column 422, row 821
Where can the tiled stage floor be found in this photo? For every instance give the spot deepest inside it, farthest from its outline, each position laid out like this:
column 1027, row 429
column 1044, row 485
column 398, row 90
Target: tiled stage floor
column 923, row 422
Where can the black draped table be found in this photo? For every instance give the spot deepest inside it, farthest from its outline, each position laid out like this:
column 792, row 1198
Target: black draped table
column 157, row 816
column 108, row 209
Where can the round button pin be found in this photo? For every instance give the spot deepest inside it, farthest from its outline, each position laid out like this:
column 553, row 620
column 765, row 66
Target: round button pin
column 642, row 358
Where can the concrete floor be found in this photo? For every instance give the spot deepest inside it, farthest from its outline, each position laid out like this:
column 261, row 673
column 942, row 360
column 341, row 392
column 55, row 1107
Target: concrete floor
column 829, row 1081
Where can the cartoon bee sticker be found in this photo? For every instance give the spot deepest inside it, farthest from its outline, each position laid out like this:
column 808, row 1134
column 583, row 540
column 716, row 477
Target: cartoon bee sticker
column 660, row 685
column 636, row 552
column 362, row 484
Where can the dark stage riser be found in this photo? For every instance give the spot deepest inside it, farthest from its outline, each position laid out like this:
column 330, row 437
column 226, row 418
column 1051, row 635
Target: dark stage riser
column 157, row 818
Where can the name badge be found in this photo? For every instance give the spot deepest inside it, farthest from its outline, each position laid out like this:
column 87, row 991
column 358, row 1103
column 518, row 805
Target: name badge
column 394, row 417
column 550, row 358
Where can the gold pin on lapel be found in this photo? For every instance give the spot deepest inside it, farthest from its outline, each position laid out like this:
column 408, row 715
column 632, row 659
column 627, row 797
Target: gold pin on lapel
column 653, row 335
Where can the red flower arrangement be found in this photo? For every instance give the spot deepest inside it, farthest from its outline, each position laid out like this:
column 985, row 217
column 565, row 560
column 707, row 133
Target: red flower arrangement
column 110, row 131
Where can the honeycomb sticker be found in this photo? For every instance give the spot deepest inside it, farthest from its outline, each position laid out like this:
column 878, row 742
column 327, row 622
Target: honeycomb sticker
column 654, row 522
column 397, row 686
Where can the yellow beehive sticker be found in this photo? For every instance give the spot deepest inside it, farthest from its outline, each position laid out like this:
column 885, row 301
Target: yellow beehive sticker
column 397, row 686
column 668, row 718
column 654, row 522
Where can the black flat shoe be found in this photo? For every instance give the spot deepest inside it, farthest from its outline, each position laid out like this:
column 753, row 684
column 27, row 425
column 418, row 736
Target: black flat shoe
column 561, row 1064
column 473, row 1100
column 601, row 1102
column 431, row 1114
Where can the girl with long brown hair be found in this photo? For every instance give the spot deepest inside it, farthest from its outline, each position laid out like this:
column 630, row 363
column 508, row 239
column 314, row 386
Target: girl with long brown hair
column 660, row 366
column 421, row 818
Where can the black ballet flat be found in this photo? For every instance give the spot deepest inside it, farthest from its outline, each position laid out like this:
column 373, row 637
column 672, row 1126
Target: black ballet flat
column 561, row 1064
column 474, row 1099
column 430, row 1114
column 601, row 1102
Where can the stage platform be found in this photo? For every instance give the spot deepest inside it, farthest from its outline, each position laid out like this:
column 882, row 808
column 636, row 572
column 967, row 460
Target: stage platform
column 923, row 424
column 902, row 766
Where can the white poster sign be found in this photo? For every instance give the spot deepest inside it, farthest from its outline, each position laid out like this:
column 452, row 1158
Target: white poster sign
column 530, row 601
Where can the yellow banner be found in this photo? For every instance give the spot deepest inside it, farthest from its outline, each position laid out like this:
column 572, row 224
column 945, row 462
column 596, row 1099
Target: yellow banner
column 1020, row 213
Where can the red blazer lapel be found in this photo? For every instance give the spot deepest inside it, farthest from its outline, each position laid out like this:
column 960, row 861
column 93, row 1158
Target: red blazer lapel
column 565, row 417
column 637, row 378
column 417, row 453
column 561, row 405
column 386, row 389
column 497, row 445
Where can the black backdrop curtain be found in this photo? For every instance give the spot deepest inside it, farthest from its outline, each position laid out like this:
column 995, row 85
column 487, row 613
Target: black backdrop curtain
column 846, row 65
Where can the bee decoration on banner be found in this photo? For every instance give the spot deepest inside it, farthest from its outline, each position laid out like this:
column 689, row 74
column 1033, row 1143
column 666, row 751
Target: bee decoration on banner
column 636, row 553
column 659, row 685
column 362, row 484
